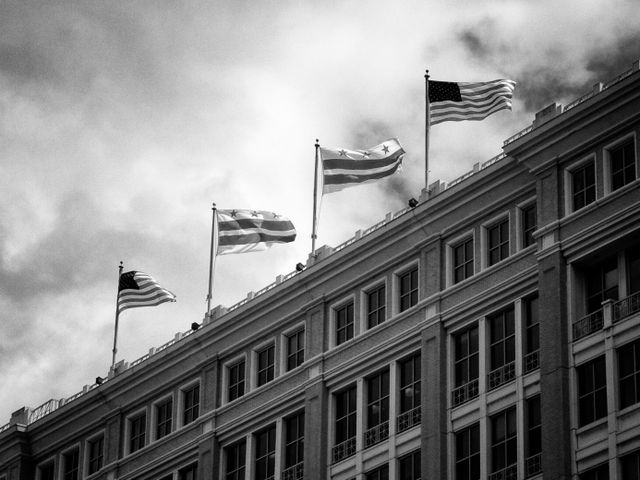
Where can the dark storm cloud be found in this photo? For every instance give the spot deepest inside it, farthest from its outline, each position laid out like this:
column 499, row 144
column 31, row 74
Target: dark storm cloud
column 606, row 63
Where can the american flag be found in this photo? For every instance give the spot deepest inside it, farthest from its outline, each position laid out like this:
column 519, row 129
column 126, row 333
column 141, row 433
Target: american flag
column 241, row 231
column 137, row 289
column 451, row 101
column 346, row 168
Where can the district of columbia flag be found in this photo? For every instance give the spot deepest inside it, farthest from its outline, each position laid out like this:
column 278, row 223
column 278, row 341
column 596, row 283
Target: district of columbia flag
column 344, row 168
column 241, row 231
column 137, row 289
column 452, row 102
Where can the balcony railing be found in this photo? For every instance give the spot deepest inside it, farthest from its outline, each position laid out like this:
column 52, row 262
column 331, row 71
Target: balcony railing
column 588, row 325
column 626, row 306
column 376, row 434
column 464, row 393
column 343, row 450
column 531, row 361
column 502, row 375
column 409, row 419
column 295, row 472
column 533, row 465
column 509, row 473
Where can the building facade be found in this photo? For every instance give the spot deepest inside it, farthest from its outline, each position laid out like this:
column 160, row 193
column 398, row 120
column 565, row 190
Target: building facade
column 492, row 331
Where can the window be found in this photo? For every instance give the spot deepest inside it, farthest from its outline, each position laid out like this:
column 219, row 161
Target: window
column 236, row 457
column 266, row 365
column 295, row 349
column 47, row 471
column 95, row 451
column 629, row 374
column 164, row 412
column 531, row 335
column 528, row 224
column 462, row 260
column 592, row 391
column 380, row 473
column 191, row 399
column 601, row 472
column 137, row 429
column 376, row 310
column 377, row 409
column 534, row 436
column 344, row 323
column 265, row 454
column 583, row 185
column 70, row 464
column 466, row 365
column 346, row 415
column 294, row 441
column 602, row 283
column 498, row 241
column 410, row 384
column 468, row 453
column 503, row 348
column 236, row 380
column 188, row 473
column 633, row 269
column 408, row 289
column 410, row 466
column 630, row 464
column 623, row 165
column 504, row 443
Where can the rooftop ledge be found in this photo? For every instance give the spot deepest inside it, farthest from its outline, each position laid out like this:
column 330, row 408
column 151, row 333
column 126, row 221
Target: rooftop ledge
column 26, row 415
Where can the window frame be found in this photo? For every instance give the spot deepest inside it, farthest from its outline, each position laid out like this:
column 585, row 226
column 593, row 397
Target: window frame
column 509, row 442
column 374, row 287
column 155, row 416
column 87, row 449
column 129, row 429
column 336, row 308
column 634, row 375
column 49, row 462
column 184, row 409
column 415, row 383
column 473, row 457
column 411, row 458
column 79, row 474
column 226, row 373
column 522, row 229
column 242, row 442
column 269, row 369
column 607, row 150
column 569, row 171
column 487, row 227
column 296, row 443
column 451, row 246
column 286, row 352
column 593, row 394
column 382, row 401
column 269, row 456
column 348, row 417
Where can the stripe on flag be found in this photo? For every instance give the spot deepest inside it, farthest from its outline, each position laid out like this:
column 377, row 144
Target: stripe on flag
column 137, row 289
column 451, row 101
column 344, row 168
column 241, row 231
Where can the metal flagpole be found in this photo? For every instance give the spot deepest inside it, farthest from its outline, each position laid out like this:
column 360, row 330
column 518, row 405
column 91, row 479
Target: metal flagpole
column 426, row 132
column 315, row 201
column 115, row 333
column 212, row 258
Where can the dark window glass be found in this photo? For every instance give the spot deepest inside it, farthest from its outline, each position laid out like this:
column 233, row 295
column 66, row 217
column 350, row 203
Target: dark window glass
column 602, row 283
column 295, row 349
column 265, row 459
column 532, row 325
column 463, row 260
column 633, row 269
column 466, row 350
column 70, row 464
column 344, row 323
column 468, row 453
column 266, row 365
column 629, row 374
column 498, row 241
column 592, row 391
column 378, row 399
column 164, row 412
column 47, row 471
column 236, row 380
column 503, row 338
column 408, row 289
column 96, row 454
column 623, row 165
column 188, row 473
column 601, row 472
column 138, row 426
column 294, row 440
column 191, row 398
column 528, row 225
column 380, row 473
column 534, row 426
column 236, row 457
column 504, row 440
column 376, row 310
column 630, row 464
column 410, row 383
column 346, row 409
column 584, row 185
column 410, row 466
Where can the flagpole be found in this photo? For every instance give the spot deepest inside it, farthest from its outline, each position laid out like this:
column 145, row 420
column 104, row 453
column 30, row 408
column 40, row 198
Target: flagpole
column 315, row 201
column 115, row 333
column 212, row 258
column 426, row 131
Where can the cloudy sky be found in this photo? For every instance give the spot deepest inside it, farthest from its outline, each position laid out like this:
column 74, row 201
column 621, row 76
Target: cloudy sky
column 121, row 123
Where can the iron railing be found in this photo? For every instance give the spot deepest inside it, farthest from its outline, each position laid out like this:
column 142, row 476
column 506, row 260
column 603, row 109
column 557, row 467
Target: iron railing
column 376, row 434
column 531, row 361
column 294, row 472
column 533, row 465
column 509, row 473
column 409, row 419
column 464, row 393
column 588, row 324
column 626, row 306
column 343, row 450
column 502, row 375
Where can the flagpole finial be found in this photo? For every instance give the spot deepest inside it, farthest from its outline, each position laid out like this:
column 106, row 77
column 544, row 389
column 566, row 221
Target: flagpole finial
column 317, row 142
column 213, row 206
